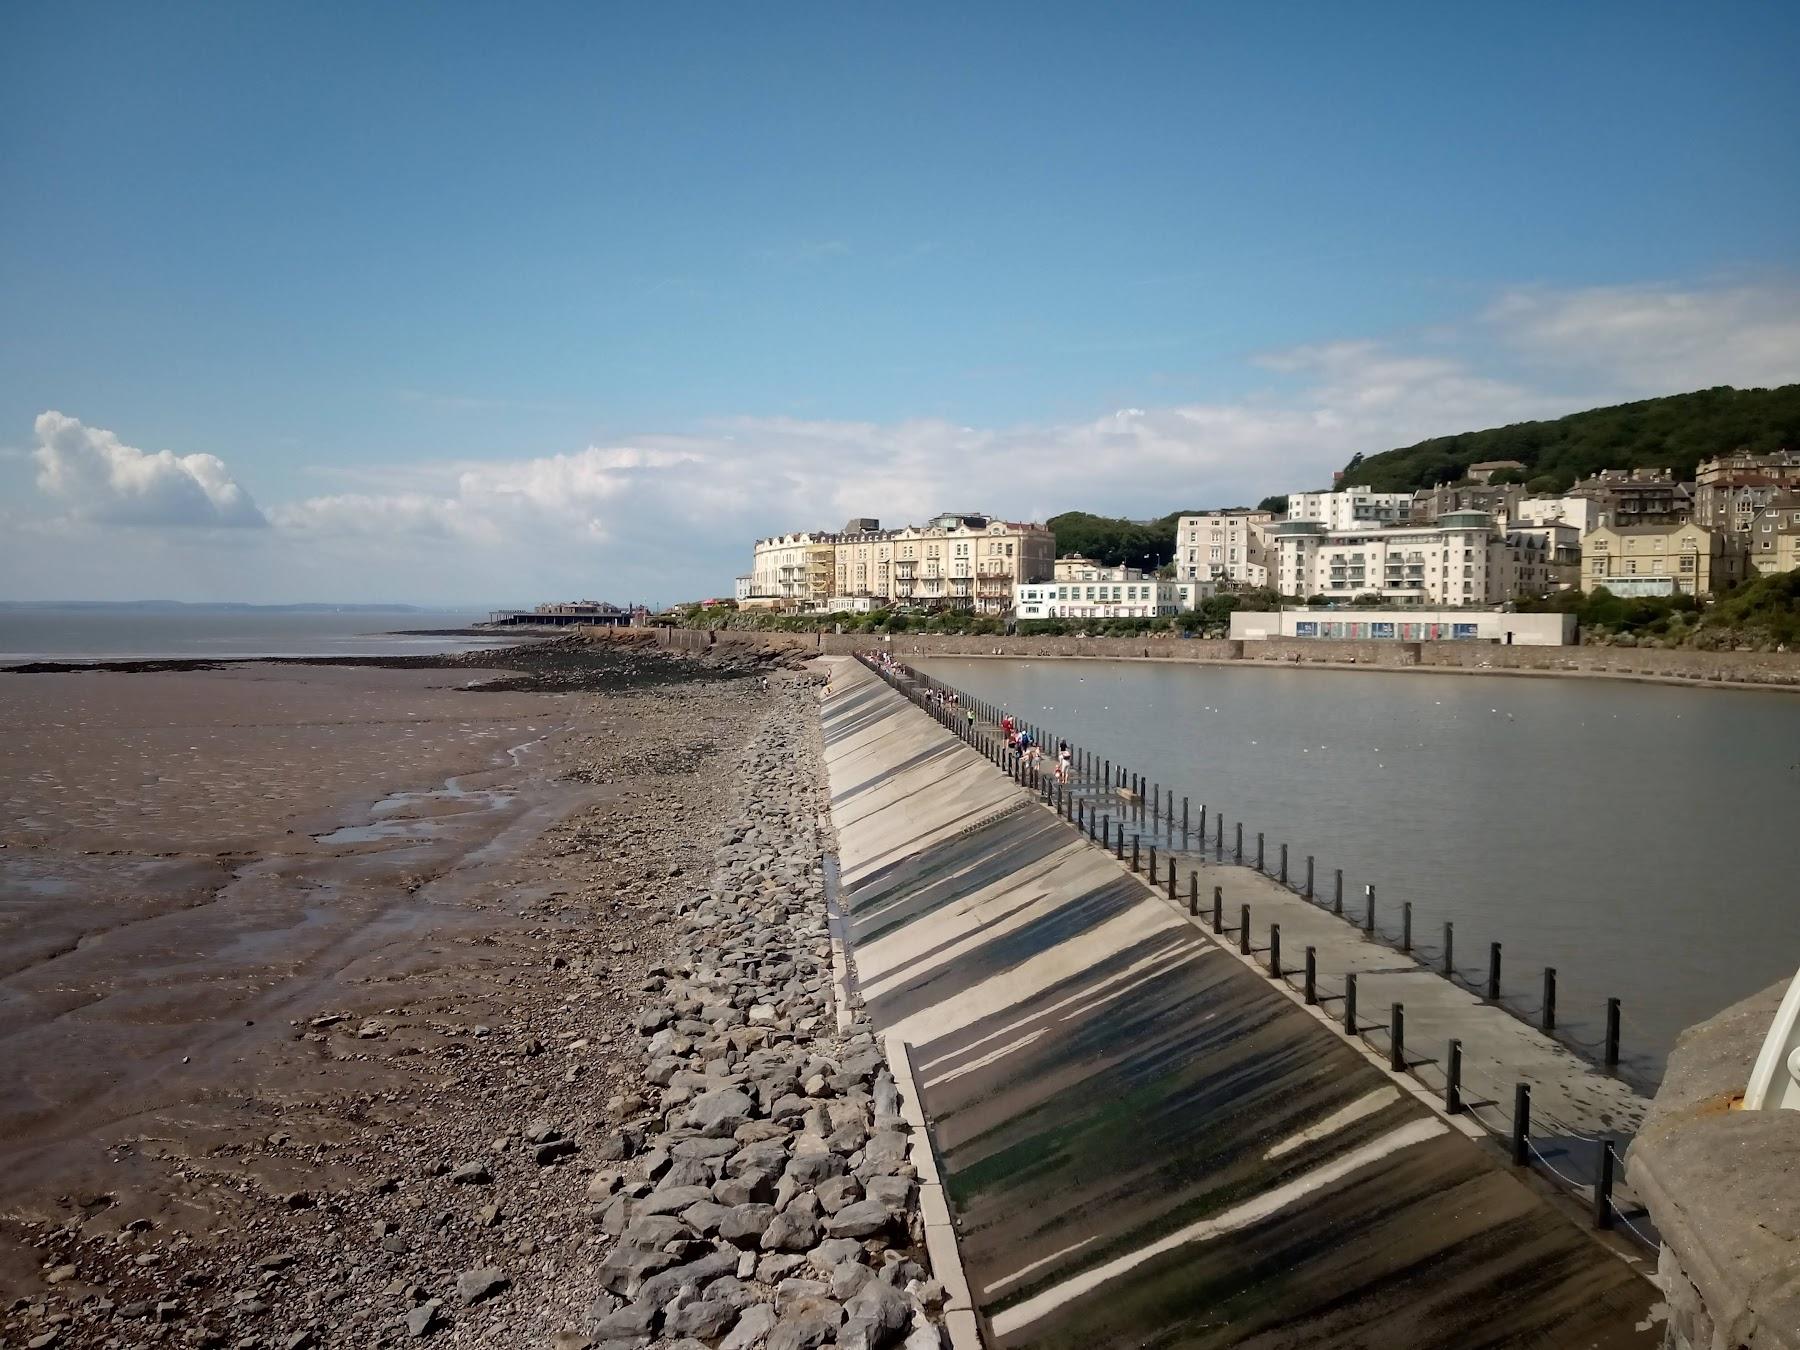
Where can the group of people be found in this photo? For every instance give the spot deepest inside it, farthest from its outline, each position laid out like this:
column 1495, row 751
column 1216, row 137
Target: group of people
column 1023, row 744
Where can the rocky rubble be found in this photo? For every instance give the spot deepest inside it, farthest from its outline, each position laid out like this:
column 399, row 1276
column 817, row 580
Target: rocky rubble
column 760, row 1192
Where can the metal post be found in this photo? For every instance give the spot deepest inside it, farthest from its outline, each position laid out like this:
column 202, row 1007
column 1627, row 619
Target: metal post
column 1184, row 819
column 1152, row 861
column 1080, row 815
column 1218, row 909
column 1284, row 864
column 1244, row 930
column 1312, row 975
column 1275, row 951
column 1406, row 926
column 1155, row 800
column 1369, row 912
column 1549, row 998
column 1603, row 1188
column 1259, row 850
column 1119, row 843
column 1450, row 950
column 1171, row 881
column 1337, row 893
column 1521, row 1123
column 1238, row 850
column 1493, row 972
column 1135, row 841
column 1309, row 876
column 1350, row 1004
column 1109, row 775
column 1612, row 1032
column 1453, row 1078
column 1194, row 894
column 1397, row 1038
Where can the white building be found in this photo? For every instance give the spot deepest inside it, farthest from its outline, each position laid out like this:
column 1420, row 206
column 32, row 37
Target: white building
column 1127, row 594
column 1406, row 625
column 1224, row 546
column 1353, row 508
column 1577, row 511
column 742, row 588
column 1459, row 560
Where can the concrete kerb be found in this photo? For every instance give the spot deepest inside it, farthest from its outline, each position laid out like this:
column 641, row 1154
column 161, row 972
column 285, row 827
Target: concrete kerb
column 941, row 1243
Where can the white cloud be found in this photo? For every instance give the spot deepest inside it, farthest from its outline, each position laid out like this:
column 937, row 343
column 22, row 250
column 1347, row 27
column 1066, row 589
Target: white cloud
column 664, row 516
column 100, row 478
column 1648, row 340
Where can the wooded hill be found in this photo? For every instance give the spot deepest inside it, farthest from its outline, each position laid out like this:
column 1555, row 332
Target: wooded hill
column 1675, row 432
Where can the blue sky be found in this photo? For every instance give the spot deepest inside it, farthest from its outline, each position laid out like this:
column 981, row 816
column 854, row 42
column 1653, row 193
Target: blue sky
column 480, row 302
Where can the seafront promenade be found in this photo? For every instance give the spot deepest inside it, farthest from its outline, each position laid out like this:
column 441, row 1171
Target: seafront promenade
column 1113, row 1088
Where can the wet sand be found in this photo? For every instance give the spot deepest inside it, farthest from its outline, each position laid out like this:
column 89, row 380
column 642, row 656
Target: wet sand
column 248, row 914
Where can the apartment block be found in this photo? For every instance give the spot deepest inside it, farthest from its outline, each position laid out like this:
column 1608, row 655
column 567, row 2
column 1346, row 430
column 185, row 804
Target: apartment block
column 1631, row 497
column 1775, row 535
column 1577, row 511
column 1351, row 508
column 1730, row 491
column 1229, row 547
column 1685, row 559
column 1461, row 559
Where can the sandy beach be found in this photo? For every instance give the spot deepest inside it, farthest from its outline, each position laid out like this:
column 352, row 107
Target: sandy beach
column 279, row 941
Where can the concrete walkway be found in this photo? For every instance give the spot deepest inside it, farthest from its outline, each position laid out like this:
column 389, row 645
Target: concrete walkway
column 1143, row 1138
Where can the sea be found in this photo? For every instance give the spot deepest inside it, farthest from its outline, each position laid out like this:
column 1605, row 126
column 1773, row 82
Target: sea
column 82, row 633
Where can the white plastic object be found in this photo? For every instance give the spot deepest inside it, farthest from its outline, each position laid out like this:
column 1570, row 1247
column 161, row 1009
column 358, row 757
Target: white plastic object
column 1775, row 1081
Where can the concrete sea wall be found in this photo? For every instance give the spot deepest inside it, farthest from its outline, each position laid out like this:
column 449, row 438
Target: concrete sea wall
column 1137, row 1139
column 1771, row 669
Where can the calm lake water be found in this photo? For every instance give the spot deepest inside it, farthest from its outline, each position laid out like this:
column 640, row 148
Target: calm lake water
column 130, row 634
column 1640, row 839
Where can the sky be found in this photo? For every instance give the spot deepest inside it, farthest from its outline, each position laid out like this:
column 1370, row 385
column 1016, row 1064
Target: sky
column 480, row 304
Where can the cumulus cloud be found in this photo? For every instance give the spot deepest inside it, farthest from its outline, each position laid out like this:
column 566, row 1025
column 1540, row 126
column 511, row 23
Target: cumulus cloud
column 100, row 478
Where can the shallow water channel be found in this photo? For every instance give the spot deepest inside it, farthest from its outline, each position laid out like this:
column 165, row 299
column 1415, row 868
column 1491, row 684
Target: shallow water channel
column 1641, row 839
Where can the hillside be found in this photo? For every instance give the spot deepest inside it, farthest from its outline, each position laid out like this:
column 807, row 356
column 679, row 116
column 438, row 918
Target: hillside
column 1114, row 541
column 1675, row 432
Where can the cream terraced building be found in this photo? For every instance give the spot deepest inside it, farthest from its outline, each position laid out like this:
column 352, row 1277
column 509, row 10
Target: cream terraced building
column 1686, row 559
column 958, row 560
column 1224, row 546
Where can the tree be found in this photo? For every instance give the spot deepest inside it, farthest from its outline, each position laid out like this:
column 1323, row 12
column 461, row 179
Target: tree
column 1278, row 504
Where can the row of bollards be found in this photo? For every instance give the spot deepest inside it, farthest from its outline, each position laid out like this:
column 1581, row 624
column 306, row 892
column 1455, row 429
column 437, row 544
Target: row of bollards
column 1150, row 798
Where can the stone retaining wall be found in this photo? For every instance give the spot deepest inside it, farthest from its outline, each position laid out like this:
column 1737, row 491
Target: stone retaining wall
column 1774, row 669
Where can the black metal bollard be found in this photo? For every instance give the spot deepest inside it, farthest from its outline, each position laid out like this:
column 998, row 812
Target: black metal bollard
column 1284, row 864
column 1218, row 909
column 1406, row 926
column 1238, row 850
column 1184, row 820
column 1369, row 910
column 1549, row 1022
column 1612, row 1032
column 1312, row 975
column 1337, row 892
column 1521, row 1124
column 1244, row 930
column 1350, row 1004
column 1194, row 894
column 1274, row 951
column 1309, row 876
column 1171, row 881
column 1493, row 991
column 1603, row 1188
column 1119, row 843
column 1259, row 850
column 1152, row 861
column 1080, row 815
column 1135, row 841
column 1450, row 951
column 1397, row 1038
column 1453, row 1078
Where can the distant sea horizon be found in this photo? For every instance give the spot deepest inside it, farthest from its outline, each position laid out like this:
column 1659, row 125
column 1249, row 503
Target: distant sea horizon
column 153, row 629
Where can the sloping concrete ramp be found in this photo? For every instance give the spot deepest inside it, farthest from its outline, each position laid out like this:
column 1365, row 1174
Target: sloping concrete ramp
column 1142, row 1142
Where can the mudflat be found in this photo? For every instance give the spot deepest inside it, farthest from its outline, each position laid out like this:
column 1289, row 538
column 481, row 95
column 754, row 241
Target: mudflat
column 277, row 935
